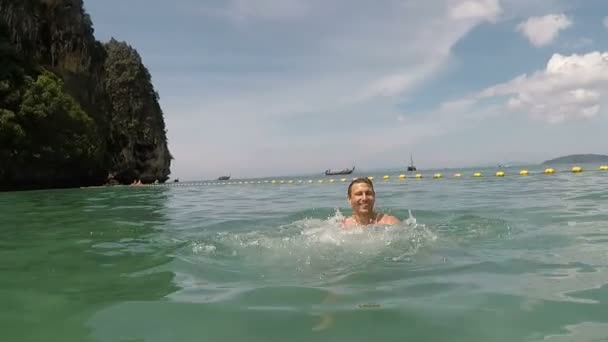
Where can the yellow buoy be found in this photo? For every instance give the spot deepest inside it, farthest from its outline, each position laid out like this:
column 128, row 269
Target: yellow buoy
column 331, row 180
column 402, row 176
column 477, row 174
column 370, row 178
column 386, row 177
column 282, row 181
column 437, row 175
column 418, row 175
column 523, row 172
column 604, row 168
column 343, row 180
column 577, row 169
column 320, row 181
column 310, row 181
column 549, row 171
column 500, row 174
column 457, row 175
column 273, row 181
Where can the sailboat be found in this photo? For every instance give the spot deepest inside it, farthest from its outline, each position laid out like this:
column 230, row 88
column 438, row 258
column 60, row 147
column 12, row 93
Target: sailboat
column 411, row 167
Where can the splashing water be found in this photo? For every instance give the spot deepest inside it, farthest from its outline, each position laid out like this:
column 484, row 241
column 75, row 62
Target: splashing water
column 315, row 245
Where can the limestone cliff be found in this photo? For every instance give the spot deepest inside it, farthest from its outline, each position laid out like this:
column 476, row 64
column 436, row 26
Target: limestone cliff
column 137, row 128
column 109, row 83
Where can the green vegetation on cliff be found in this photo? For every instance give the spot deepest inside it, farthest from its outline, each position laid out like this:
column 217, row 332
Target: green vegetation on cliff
column 73, row 111
column 45, row 137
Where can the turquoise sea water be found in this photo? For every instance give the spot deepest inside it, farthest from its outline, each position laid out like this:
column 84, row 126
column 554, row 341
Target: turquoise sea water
column 476, row 259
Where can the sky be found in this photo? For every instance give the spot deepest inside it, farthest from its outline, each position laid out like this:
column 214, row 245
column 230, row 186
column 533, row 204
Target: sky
column 257, row 88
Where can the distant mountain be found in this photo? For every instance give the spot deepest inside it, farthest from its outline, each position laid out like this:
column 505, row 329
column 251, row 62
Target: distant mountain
column 578, row 158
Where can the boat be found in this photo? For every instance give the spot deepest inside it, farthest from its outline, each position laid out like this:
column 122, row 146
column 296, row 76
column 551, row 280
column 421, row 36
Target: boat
column 411, row 167
column 176, row 180
column 329, row 172
column 224, row 178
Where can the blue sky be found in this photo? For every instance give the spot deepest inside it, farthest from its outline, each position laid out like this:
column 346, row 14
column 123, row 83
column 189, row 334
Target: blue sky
column 278, row 87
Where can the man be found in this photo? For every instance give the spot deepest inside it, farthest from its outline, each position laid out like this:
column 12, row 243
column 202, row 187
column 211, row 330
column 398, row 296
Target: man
column 362, row 197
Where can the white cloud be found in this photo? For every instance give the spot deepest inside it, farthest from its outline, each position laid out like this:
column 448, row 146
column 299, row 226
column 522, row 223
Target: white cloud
column 476, row 9
column 343, row 72
column 241, row 10
column 400, row 82
column 342, row 63
column 269, row 9
column 372, row 51
column 289, row 9
column 542, row 31
column 270, row 87
column 569, row 88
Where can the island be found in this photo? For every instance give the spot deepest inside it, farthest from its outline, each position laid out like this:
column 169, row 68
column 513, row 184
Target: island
column 578, row 159
column 74, row 111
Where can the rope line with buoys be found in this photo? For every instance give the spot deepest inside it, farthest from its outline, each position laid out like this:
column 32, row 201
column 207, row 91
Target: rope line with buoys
column 398, row 178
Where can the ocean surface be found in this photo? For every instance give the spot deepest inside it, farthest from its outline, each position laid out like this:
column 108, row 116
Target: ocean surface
column 514, row 258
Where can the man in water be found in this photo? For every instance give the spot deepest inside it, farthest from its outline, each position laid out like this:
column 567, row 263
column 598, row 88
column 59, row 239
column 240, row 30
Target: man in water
column 361, row 196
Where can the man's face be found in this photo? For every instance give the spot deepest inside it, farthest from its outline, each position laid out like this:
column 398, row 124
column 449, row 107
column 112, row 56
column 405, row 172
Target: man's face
column 362, row 198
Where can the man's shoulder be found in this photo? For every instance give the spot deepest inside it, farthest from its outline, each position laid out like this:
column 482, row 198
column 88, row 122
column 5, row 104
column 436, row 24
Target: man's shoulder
column 349, row 221
column 388, row 219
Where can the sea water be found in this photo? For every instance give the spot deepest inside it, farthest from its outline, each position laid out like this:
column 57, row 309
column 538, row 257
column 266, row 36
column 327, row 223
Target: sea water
column 514, row 258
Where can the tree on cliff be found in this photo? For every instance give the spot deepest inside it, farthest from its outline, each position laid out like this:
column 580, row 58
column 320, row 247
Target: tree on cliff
column 49, row 133
column 12, row 78
column 44, row 133
column 58, row 131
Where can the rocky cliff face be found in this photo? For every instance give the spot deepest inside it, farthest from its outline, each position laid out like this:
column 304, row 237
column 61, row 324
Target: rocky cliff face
column 109, row 82
column 137, row 128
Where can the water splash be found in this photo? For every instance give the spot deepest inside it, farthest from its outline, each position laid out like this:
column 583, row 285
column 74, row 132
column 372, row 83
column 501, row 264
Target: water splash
column 316, row 245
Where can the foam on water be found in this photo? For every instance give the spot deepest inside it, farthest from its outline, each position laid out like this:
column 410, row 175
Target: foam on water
column 314, row 245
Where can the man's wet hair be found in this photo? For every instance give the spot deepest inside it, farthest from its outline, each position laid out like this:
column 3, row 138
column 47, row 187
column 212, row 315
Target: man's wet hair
column 360, row 180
